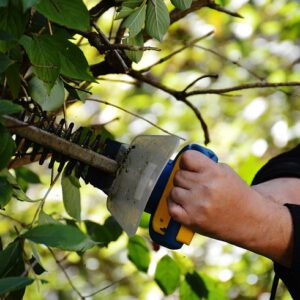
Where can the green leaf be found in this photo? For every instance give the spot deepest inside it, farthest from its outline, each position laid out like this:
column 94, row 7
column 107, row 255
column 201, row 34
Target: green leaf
column 5, row 62
column 109, row 232
column 167, row 275
column 139, row 253
column 73, row 62
column 9, row 284
column 136, row 20
column 182, row 4
column 37, row 267
column 71, row 195
column 18, row 193
column 13, row 79
column 69, row 13
column 193, row 287
column 5, row 192
column 9, row 257
column 157, row 19
column 61, row 236
column 12, row 23
column 131, row 3
column 7, row 107
column 3, row 3
column 124, row 12
column 28, row 4
column 46, row 219
column 137, row 40
column 43, row 56
column 48, row 101
column 7, row 147
column 25, row 176
column 77, row 93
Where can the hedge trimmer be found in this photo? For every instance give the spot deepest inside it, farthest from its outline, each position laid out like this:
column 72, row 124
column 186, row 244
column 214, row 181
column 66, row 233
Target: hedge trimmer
column 136, row 177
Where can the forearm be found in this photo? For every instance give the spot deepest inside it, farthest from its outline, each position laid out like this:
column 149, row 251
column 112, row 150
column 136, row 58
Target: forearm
column 267, row 229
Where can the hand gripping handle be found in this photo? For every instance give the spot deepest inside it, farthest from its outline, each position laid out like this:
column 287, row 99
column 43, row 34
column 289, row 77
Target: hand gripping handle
column 163, row 229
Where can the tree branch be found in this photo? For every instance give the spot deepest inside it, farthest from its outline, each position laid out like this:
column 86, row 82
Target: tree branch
column 135, row 115
column 254, row 85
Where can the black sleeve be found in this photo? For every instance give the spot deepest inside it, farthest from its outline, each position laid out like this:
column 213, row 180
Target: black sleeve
column 286, row 165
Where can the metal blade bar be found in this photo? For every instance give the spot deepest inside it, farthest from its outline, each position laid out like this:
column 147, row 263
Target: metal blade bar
column 60, row 145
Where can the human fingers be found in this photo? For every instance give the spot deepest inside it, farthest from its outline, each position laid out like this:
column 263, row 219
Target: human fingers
column 195, row 161
column 179, row 195
column 177, row 212
column 184, row 179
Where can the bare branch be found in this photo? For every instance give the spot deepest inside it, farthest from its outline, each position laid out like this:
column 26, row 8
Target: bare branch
column 178, row 95
column 231, row 61
column 167, row 57
column 254, row 85
column 225, row 10
column 178, row 14
column 199, row 78
column 135, row 115
column 106, row 42
column 117, row 80
column 66, row 274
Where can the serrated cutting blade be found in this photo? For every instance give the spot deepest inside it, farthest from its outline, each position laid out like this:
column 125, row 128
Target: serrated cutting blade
column 136, row 178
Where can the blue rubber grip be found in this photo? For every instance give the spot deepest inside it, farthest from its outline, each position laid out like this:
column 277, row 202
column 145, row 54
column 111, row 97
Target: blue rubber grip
column 168, row 239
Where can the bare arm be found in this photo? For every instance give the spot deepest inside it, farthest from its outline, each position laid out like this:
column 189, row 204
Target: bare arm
column 213, row 200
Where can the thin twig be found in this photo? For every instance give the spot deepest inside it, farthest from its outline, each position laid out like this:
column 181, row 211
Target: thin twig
column 231, row 61
column 108, row 286
column 66, row 274
column 199, row 78
column 117, row 80
column 224, row 10
column 13, row 219
column 106, row 42
column 135, row 115
column 254, row 85
column 41, row 205
column 167, row 57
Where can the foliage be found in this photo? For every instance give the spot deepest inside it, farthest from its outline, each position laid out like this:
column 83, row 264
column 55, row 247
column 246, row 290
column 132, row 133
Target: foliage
column 138, row 66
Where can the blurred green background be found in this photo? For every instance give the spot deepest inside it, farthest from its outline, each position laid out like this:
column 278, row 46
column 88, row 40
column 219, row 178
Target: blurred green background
column 246, row 127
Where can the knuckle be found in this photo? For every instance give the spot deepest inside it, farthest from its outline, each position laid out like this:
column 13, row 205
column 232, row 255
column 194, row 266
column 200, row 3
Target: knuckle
column 187, row 158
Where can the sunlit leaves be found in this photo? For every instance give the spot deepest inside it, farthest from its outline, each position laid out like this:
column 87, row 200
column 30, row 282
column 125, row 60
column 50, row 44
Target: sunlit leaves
column 193, row 287
column 136, row 20
column 9, row 284
column 49, row 101
column 108, row 232
column 24, row 177
column 43, row 56
column 60, row 236
column 71, row 195
column 124, row 12
column 139, row 253
column 137, row 40
column 54, row 55
column 69, row 13
column 73, row 63
column 182, row 4
column 158, row 19
column 167, row 275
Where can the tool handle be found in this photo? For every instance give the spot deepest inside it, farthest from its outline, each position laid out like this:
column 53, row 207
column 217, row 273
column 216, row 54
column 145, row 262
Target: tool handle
column 163, row 229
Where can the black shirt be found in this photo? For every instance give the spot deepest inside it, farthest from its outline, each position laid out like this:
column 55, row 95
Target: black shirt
column 286, row 165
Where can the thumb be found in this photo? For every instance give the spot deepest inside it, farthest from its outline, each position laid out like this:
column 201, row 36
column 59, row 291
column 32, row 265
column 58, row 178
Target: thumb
column 195, row 161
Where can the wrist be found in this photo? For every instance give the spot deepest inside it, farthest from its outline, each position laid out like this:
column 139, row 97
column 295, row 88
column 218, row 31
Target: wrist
column 269, row 229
